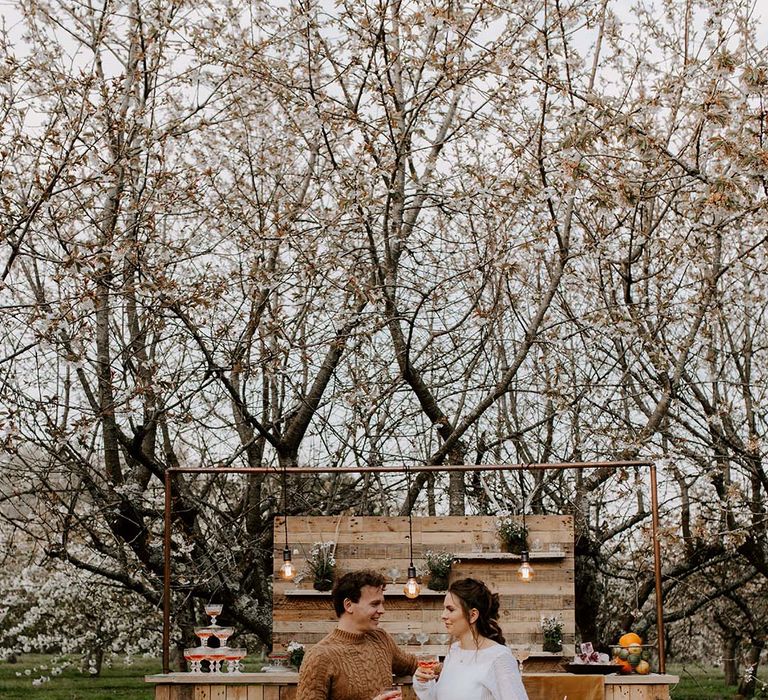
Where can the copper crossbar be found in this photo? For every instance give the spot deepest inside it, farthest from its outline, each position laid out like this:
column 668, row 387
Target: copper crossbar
column 401, row 470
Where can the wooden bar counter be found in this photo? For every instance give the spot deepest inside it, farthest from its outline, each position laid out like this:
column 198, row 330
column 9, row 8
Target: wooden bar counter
column 282, row 686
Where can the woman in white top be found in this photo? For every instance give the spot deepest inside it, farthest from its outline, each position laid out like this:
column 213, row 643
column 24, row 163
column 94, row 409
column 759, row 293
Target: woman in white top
column 479, row 666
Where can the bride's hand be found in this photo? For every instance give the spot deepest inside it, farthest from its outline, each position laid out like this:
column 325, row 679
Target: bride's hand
column 427, row 674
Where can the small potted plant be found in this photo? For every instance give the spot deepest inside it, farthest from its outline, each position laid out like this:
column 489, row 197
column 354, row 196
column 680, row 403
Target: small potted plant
column 295, row 653
column 321, row 565
column 439, row 567
column 513, row 534
column 553, row 634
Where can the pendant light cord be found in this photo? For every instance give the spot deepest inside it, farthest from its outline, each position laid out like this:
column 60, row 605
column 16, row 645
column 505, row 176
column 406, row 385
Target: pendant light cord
column 285, row 509
column 410, row 518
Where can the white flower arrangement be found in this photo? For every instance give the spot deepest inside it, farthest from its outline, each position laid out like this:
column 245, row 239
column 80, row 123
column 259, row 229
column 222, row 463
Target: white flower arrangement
column 438, row 563
column 511, row 531
column 553, row 633
column 295, row 653
column 321, row 562
column 321, row 565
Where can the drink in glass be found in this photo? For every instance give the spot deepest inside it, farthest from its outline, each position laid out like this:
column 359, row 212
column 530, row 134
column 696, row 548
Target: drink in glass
column 194, row 656
column 213, row 610
column 223, row 634
column 233, row 657
column 427, row 662
column 203, row 634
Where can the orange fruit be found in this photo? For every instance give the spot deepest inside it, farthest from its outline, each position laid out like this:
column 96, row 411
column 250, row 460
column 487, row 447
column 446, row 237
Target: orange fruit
column 624, row 666
column 629, row 639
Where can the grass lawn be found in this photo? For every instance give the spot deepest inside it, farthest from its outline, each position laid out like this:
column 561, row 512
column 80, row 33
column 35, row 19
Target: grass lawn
column 120, row 681
column 699, row 682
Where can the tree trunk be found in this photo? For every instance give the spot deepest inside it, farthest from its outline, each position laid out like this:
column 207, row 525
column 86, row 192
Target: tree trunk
column 749, row 677
column 93, row 658
column 456, row 493
column 730, row 663
column 589, row 593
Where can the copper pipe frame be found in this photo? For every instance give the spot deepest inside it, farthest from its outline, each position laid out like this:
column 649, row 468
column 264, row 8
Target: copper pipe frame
column 657, row 570
column 394, row 470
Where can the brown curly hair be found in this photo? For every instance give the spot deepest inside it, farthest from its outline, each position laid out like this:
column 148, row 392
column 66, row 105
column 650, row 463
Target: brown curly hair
column 350, row 586
column 472, row 593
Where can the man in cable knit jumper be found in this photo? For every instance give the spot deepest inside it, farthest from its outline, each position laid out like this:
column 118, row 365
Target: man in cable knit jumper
column 355, row 661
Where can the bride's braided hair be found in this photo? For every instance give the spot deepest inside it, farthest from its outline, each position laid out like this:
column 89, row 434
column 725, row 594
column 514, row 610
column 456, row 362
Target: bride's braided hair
column 472, row 593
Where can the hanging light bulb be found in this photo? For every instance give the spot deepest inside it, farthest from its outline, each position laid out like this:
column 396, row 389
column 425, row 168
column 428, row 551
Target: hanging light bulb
column 287, row 570
column 525, row 572
column 412, row 587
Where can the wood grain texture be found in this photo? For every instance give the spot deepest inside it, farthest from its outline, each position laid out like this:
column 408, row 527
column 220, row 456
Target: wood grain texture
column 256, row 692
column 381, row 543
column 637, row 692
column 540, row 686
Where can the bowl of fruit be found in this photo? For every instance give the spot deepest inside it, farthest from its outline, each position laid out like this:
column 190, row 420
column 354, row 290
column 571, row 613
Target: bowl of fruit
column 631, row 655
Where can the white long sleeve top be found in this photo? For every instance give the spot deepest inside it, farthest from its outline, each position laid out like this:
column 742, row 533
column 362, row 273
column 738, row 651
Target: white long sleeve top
column 475, row 674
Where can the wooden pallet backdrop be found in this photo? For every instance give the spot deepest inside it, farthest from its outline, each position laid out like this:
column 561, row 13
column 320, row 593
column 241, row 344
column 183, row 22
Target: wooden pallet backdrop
column 300, row 613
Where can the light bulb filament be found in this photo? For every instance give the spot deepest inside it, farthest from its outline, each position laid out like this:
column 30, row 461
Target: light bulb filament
column 412, row 587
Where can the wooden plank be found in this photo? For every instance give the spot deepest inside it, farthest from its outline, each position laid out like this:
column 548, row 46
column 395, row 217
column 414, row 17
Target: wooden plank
column 237, row 692
column 255, row 692
column 202, row 692
column 618, row 692
column 636, row 692
column 271, row 692
column 218, row 692
column 307, row 527
column 162, row 692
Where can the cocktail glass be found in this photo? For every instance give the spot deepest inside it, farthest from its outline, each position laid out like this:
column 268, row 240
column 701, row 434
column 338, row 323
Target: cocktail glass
column 216, row 657
column 223, row 634
column 403, row 638
column 214, row 610
column 422, row 638
column 427, row 662
column 233, row 657
column 194, row 655
column 204, row 634
column 443, row 638
column 394, row 572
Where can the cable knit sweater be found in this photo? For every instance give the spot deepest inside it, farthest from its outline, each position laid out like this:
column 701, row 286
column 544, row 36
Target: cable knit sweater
column 352, row 666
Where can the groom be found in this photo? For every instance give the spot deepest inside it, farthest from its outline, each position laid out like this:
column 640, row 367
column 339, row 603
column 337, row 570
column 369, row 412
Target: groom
column 356, row 660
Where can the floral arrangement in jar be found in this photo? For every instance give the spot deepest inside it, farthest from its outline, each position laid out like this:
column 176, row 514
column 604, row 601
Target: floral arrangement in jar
column 439, row 567
column 513, row 534
column 295, row 653
column 553, row 634
column 321, row 565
